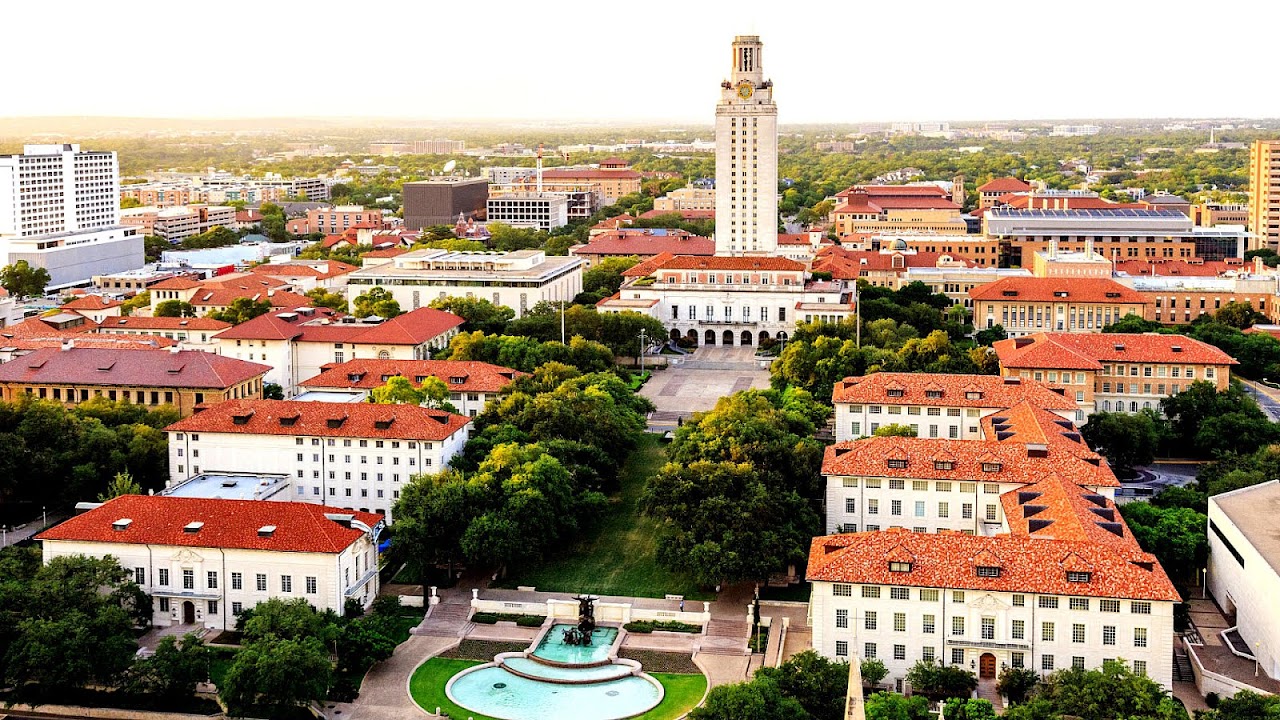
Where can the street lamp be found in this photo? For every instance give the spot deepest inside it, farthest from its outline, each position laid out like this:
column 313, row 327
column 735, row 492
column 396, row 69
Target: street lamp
column 44, row 517
column 642, row 345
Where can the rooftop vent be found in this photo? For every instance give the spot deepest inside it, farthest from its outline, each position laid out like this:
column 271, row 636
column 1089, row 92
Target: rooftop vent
column 122, row 524
column 842, row 451
column 1114, row 528
column 267, row 531
column 242, row 418
column 1026, row 496
column 192, row 527
column 343, row 519
column 1176, row 348
column 289, row 420
column 230, row 483
column 1119, row 347
column 184, row 322
column 1096, row 500
column 107, row 366
column 1034, row 525
column 1009, row 293
column 1106, row 513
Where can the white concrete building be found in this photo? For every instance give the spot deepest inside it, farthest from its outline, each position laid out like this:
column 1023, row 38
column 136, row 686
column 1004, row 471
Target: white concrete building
column 687, row 198
column 60, row 210
column 747, row 156
column 519, row 279
column 205, row 561
column 540, row 210
column 352, row 455
column 1244, row 568
column 298, row 343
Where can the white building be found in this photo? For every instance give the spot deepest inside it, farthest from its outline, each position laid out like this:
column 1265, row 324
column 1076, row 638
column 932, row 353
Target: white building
column 204, row 561
column 747, row 156
column 191, row 333
column 539, row 210
column 472, row 384
column 687, row 198
column 60, row 210
column 728, row 300
column 519, row 279
column 1244, row 568
column 352, row 455
column 298, row 343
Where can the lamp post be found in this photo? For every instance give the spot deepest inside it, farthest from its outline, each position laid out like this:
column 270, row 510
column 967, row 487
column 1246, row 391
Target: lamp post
column 44, row 518
column 857, row 306
column 643, row 336
column 1204, row 583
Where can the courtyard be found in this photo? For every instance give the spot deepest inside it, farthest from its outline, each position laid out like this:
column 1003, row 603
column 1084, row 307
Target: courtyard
column 694, row 382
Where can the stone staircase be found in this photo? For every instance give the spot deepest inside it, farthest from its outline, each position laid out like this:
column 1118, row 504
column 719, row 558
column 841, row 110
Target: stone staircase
column 726, row 637
column 1182, row 666
column 446, row 620
column 987, row 691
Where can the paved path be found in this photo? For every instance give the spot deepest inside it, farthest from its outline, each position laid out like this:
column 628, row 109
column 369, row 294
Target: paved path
column 384, row 694
column 1268, row 398
column 701, row 379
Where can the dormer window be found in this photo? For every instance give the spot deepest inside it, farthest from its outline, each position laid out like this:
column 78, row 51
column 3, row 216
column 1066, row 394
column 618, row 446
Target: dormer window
column 944, row 465
column 897, row 464
column 457, row 380
column 992, row 467
column 973, row 395
column 933, row 393
column 1078, row 576
column 988, row 571
column 900, row 567
column 894, row 392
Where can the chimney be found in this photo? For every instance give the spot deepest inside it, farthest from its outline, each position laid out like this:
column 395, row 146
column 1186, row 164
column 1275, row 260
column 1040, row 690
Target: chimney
column 68, row 344
column 174, row 350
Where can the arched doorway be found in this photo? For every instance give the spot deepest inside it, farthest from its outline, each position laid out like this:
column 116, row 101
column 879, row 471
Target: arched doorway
column 692, row 336
column 728, row 337
column 987, row 666
column 746, row 338
column 781, row 335
column 675, row 335
column 188, row 613
column 764, row 335
column 711, row 337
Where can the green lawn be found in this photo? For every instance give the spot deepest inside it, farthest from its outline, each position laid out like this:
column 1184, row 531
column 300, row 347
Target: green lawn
column 682, row 692
column 620, row 556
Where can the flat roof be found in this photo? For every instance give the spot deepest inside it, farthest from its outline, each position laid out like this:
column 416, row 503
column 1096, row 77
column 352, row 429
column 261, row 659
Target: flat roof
column 230, row 486
column 332, row 396
column 1253, row 510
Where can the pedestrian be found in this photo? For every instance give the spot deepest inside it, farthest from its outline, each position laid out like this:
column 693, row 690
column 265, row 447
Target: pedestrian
column 681, row 604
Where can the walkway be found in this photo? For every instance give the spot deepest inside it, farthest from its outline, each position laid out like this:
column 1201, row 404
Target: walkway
column 1216, row 656
column 384, row 695
column 701, row 379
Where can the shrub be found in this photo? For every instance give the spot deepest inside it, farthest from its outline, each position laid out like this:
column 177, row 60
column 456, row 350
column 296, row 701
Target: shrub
column 1212, row 700
column 485, row 618
column 639, row 626
column 873, row 671
column 530, row 620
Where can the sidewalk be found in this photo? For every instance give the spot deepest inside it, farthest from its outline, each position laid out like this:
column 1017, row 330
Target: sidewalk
column 31, row 527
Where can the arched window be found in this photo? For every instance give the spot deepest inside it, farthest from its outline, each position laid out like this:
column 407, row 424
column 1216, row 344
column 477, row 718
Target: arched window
column 384, row 355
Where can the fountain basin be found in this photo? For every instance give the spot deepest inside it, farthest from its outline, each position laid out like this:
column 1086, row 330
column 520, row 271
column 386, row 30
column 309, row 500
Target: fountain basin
column 532, row 669
column 491, row 690
column 553, row 650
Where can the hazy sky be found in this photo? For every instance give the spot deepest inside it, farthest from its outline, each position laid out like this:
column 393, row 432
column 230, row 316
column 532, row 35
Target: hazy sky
column 647, row 60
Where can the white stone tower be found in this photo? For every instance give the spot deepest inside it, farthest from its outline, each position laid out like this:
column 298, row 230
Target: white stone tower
column 746, row 156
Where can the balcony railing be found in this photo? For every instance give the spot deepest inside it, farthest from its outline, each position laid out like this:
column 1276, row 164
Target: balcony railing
column 989, row 644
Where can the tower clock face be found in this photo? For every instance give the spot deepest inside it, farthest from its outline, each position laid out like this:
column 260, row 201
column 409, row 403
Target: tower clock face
column 745, row 90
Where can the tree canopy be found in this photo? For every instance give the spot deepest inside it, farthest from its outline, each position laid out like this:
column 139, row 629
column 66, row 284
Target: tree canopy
column 22, row 280
column 477, row 314
column 241, row 310
column 376, row 301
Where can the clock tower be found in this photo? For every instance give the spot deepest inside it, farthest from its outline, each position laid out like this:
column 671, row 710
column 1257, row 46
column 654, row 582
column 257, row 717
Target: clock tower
column 746, row 156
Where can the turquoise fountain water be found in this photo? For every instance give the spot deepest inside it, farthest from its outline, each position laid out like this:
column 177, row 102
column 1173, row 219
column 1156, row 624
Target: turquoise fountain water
column 554, row 680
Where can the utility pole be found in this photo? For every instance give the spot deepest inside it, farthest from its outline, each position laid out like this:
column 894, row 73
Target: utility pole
column 857, row 302
column 642, row 346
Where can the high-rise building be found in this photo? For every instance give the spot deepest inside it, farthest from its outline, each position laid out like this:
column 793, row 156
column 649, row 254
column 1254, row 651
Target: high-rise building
column 1264, row 194
column 746, row 156
column 60, row 210
column 439, row 200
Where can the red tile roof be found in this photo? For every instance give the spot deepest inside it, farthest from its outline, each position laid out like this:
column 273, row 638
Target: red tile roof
column 132, row 368
column 181, row 282
column 646, row 267
column 248, row 216
column 91, row 302
column 894, row 191
column 632, row 243
column 140, row 322
column 223, row 297
column 614, row 222
column 228, row 524
column 39, row 327
column 844, row 264
column 1004, row 185
column 412, row 328
column 875, row 205
column 386, row 252
column 332, row 268
column 474, row 376
column 987, row 391
column 321, row 419
column 685, row 262
column 90, row 340
column 684, row 214
column 1087, row 351
column 947, row 560
column 1051, row 289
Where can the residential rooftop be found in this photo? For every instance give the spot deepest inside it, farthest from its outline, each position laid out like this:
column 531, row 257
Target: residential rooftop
column 129, row 368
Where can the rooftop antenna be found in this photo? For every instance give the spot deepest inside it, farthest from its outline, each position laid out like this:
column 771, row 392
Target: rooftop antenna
column 539, row 168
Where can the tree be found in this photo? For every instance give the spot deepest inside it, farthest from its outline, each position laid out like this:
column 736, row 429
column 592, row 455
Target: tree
column 174, row 308
column 506, row 238
column 362, row 643
column 1133, row 323
column 173, row 671
column 817, row 683
column 1176, row 536
column 1206, row 422
column 397, row 391
column 894, row 430
column 873, row 671
column 242, row 309
column 1126, row 440
column 1112, row 691
column 141, row 300
column 756, row 700
column 476, row 313
column 891, row 706
column 153, row 247
column 320, row 297
column 431, row 515
column 968, row 709
column 24, row 281
column 272, row 391
column 991, row 335
column 937, row 681
column 1239, row 315
column 122, row 484
column 377, row 301
column 287, row 619
column 276, row 672
column 217, row 236
column 1016, row 683
column 605, row 277
column 1245, row 705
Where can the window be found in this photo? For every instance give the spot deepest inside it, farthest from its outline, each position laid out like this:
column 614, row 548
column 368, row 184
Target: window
column 286, row 583
column 1017, row 659
column 1077, row 633
column 988, row 628
column 957, row 625
column 966, row 511
column 1080, row 604
column 1079, row 577
column 870, row 591
column 842, row 648
column 928, row 626
column 1109, row 606
column 899, row 652
column 903, row 567
column 213, row 607
column 237, row 581
column 869, row 620
column 211, row 580
column 869, row 651
column 899, row 593
column 1048, row 602
column 957, row 596
column 842, row 590
column 164, row 576
column 1077, row 663
column 929, row 596
column 988, row 571
column 895, row 484
column 1140, row 637
column 261, row 582
column 957, row 656
column 140, row 576
column 1019, row 630
column 188, row 579
column 1046, row 662
column 991, row 513
column 1108, row 634
column 311, row 585
column 944, row 509
column 1047, row 631
column 899, row 622
column 927, row 653
column 895, row 507
column 1140, row 608
column 842, row 618
column 1140, row 667
column 873, row 505
column 1019, row 600
column 164, row 604
column 237, row 608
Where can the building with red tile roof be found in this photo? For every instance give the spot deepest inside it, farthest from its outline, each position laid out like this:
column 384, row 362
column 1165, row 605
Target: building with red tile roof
column 297, row 343
column 1191, row 267
column 1064, row 304
column 202, row 561
column 989, row 191
column 95, row 307
column 306, row 275
column 643, row 243
column 896, row 209
column 883, row 268
column 25, row 345
column 471, row 384
column 180, row 378
column 352, row 454
column 1115, row 372
column 191, row 333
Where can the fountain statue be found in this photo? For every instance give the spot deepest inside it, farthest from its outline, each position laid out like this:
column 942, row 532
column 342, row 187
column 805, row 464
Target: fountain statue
column 581, row 635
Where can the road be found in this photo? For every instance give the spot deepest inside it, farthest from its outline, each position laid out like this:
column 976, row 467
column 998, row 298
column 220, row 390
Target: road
column 13, row 536
column 1268, row 399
